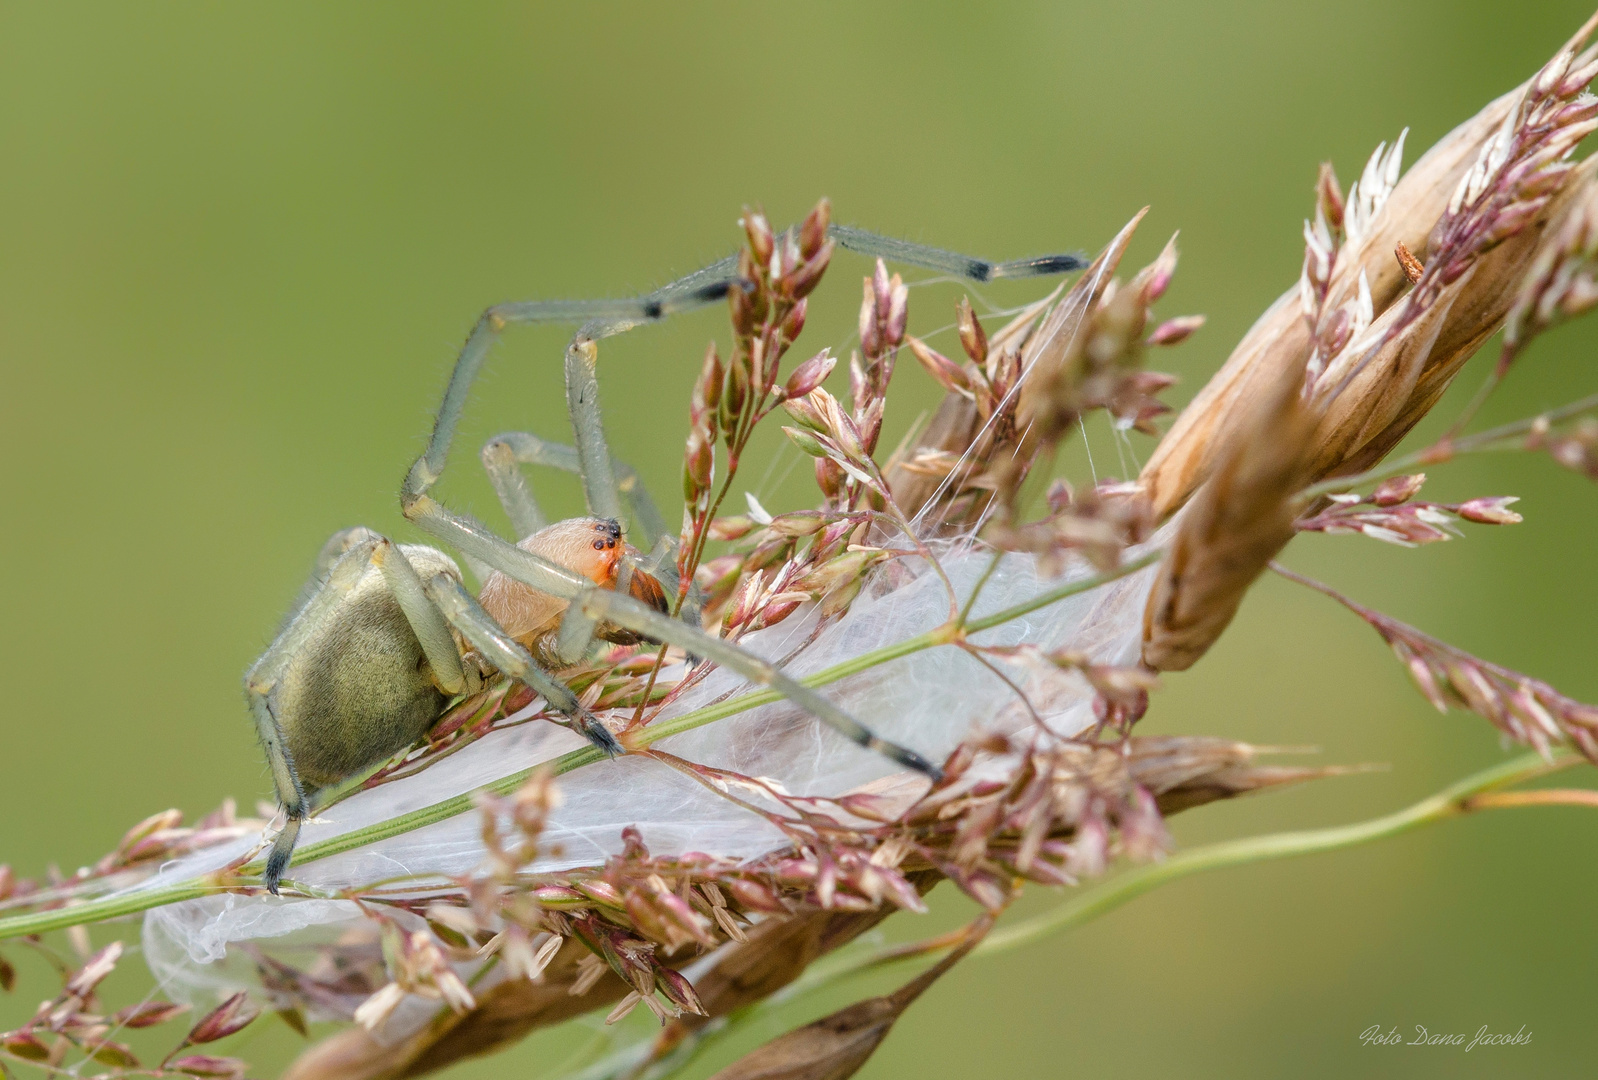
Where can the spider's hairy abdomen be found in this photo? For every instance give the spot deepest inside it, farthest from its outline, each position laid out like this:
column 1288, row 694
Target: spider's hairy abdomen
column 361, row 689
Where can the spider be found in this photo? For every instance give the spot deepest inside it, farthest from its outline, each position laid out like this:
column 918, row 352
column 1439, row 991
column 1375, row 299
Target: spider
column 385, row 637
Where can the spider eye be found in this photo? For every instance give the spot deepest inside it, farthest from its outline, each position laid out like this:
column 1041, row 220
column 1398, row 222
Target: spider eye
column 599, row 545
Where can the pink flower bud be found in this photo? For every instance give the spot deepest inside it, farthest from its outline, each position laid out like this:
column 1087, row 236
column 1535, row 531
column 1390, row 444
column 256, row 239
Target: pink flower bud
column 881, row 289
column 230, row 1016
column 973, row 339
column 1157, row 276
column 756, row 896
column 558, row 896
column 1329, row 195
column 97, row 967
column 810, row 374
column 837, row 601
column 870, row 336
column 1339, row 328
column 730, row 528
column 1490, row 511
column 205, row 1065
column 741, row 308
column 898, row 312
column 950, row 376
column 698, row 462
column 813, row 231
column 734, row 389
column 805, row 411
column 803, row 280
column 799, row 523
column 602, row 891
column 829, row 478
column 708, row 389
column 761, row 241
column 1174, row 330
column 794, row 324
column 1397, row 489
column 678, row 990
column 25, row 1045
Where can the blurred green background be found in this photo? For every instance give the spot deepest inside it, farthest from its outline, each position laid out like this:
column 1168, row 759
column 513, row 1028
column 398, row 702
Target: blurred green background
column 239, row 245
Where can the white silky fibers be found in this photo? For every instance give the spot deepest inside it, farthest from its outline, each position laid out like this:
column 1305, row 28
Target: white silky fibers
column 928, row 701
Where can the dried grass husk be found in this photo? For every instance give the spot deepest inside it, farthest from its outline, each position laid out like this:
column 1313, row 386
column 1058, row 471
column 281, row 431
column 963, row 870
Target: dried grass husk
column 1280, row 338
column 1235, row 525
column 1238, row 471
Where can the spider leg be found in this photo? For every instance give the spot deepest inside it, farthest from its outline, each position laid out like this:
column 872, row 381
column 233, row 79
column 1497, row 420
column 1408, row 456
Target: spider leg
column 600, row 483
column 603, row 605
column 505, row 452
column 604, row 318
column 875, row 245
column 582, row 404
column 426, row 620
column 478, row 626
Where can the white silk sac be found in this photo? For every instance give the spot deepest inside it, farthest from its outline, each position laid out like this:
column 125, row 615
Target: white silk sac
column 928, row 701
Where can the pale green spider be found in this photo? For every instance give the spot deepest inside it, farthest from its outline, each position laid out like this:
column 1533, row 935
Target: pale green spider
column 385, row 635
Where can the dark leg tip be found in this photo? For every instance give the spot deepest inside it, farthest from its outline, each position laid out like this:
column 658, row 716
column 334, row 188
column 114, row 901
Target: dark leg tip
column 1061, row 264
column 275, row 865
column 277, row 861
column 716, row 290
column 925, row 767
column 1043, row 266
column 598, row 734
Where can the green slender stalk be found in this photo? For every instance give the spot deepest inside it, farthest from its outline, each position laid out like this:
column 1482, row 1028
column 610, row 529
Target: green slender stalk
column 1463, row 797
column 1062, row 592
column 1456, row 800
column 976, row 590
column 1505, row 437
column 132, row 903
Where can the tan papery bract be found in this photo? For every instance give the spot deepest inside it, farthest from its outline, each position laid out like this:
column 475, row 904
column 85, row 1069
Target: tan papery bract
column 1219, row 453
column 1281, row 338
column 834, row 1047
column 1235, row 525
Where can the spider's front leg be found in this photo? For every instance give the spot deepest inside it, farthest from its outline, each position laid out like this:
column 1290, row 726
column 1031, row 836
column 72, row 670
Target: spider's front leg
column 595, row 605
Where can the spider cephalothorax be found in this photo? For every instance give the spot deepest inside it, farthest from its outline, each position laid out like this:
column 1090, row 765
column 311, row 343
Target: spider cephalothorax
column 594, row 548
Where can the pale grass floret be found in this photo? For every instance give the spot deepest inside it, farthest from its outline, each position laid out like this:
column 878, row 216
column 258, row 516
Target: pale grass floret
column 1368, row 195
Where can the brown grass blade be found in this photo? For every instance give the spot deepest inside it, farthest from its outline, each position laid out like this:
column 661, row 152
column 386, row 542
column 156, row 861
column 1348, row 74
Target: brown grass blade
column 836, row 1046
